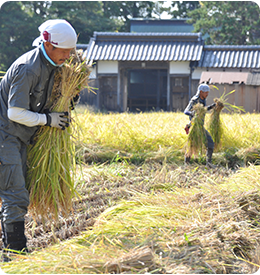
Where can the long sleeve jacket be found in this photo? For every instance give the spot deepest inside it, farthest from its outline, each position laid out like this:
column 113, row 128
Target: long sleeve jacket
column 195, row 100
column 27, row 84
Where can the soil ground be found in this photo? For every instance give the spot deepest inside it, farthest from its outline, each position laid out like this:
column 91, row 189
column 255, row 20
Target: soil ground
column 95, row 199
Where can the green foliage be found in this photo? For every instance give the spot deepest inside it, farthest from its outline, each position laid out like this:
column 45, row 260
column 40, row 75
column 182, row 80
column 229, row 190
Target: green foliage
column 18, row 30
column 85, row 16
column 19, row 21
column 125, row 10
column 182, row 8
column 227, row 22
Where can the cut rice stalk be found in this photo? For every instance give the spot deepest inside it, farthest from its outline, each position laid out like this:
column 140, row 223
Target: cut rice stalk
column 51, row 159
column 197, row 138
column 215, row 124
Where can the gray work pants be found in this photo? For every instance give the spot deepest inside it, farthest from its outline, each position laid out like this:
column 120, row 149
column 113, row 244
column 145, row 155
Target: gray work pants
column 210, row 142
column 14, row 195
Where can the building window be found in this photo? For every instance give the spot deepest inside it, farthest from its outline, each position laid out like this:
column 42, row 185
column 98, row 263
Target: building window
column 178, row 82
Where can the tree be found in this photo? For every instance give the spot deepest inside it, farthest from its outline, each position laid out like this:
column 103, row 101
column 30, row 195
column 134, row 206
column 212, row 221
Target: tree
column 18, row 30
column 125, row 10
column 36, row 9
column 19, row 21
column 85, row 16
column 227, row 22
column 182, row 8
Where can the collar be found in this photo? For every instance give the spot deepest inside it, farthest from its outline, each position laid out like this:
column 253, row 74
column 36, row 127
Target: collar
column 47, row 57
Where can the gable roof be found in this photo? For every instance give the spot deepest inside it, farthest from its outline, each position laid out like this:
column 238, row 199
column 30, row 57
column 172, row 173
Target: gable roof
column 230, row 57
column 144, row 47
column 170, row 47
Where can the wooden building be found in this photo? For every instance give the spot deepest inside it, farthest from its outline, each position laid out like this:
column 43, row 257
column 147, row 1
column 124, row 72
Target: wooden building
column 159, row 71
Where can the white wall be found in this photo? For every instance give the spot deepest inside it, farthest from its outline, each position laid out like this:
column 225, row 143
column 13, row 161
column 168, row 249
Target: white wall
column 197, row 73
column 93, row 73
column 107, row 67
column 178, row 67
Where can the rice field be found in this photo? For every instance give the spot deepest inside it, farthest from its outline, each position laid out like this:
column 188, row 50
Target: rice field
column 141, row 210
column 158, row 136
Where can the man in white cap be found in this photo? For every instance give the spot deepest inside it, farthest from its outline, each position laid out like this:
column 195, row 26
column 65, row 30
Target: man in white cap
column 200, row 97
column 24, row 92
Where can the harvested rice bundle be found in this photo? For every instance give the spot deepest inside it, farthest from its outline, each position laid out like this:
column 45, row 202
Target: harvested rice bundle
column 51, row 159
column 197, row 138
column 215, row 124
column 250, row 155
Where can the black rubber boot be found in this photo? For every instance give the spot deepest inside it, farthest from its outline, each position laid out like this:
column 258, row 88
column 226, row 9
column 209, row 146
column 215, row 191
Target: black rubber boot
column 209, row 158
column 14, row 240
column 187, row 159
column 3, row 233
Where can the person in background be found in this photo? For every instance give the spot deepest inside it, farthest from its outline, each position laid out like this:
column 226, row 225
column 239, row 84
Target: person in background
column 200, row 97
column 24, row 92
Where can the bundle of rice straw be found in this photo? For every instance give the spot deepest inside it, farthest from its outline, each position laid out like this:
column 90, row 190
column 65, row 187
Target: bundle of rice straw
column 215, row 124
column 51, row 159
column 197, row 138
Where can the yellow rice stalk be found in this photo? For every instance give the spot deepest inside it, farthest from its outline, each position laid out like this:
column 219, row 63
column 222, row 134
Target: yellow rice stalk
column 197, row 137
column 51, row 159
column 215, row 124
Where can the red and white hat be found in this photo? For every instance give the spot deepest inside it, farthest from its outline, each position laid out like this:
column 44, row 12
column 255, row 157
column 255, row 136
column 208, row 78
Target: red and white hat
column 58, row 32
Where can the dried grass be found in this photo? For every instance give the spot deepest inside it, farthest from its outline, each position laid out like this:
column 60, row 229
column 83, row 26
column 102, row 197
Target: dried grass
column 215, row 123
column 134, row 261
column 209, row 226
column 193, row 220
column 197, row 138
column 51, row 159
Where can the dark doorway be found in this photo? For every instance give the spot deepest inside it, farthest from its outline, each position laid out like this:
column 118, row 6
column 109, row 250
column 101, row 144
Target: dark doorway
column 180, row 93
column 108, row 93
column 147, row 90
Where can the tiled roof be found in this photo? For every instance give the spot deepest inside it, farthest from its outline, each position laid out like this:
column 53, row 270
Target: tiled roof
column 253, row 79
column 81, row 46
column 230, row 57
column 170, row 47
column 145, row 47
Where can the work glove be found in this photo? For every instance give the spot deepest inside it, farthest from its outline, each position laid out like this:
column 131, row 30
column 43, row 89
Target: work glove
column 190, row 113
column 74, row 101
column 58, row 120
column 211, row 106
column 187, row 128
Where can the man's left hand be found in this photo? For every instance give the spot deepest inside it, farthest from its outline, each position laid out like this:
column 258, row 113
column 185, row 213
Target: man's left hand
column 74, row 101
column 211, row 106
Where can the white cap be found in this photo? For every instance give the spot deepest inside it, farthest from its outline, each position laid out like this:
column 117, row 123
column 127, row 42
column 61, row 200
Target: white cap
column 203, row 88
column 58, row 32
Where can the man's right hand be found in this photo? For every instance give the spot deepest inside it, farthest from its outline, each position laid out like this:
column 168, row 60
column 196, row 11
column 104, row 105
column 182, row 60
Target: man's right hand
column 211, row 106
column 58, row 120
column 187, row 128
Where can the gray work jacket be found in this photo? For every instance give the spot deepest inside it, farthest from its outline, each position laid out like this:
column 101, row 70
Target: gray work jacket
column 27, row 84
column 194, row 100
